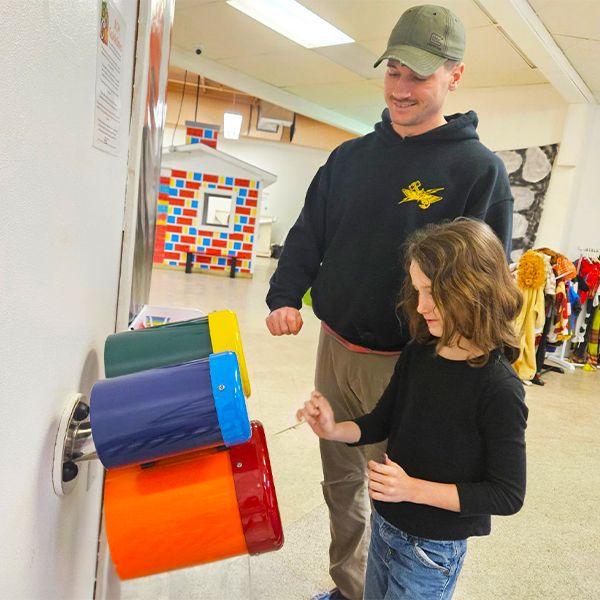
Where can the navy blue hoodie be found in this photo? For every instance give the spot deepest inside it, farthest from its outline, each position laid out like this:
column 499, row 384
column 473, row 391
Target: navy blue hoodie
column 370, row 195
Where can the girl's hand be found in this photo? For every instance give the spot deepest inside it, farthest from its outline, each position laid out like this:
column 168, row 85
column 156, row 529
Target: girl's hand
column 389, row 482
column 319, row 415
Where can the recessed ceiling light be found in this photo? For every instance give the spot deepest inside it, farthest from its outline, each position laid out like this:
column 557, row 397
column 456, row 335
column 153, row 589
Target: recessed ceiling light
column 294, row 21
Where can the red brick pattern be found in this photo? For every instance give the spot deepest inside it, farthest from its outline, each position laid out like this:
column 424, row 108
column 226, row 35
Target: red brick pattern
column 201, row 133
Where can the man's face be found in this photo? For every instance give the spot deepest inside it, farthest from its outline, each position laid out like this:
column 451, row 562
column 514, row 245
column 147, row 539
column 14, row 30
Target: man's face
column 416, row 103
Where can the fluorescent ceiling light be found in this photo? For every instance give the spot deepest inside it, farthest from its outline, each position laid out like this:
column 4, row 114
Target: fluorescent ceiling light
column 294, row 21
column 232, row 124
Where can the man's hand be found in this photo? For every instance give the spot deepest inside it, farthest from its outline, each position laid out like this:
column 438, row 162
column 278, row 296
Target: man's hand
column 284, row 321
column 389, row 482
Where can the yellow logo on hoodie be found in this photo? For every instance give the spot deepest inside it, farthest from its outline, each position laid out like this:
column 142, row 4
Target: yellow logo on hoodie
column 416, row 193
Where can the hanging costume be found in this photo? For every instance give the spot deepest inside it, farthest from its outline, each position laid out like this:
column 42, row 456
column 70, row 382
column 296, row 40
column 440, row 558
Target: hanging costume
column 531, row 279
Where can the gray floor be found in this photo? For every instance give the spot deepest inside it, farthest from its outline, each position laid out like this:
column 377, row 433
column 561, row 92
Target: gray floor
column 550, row 550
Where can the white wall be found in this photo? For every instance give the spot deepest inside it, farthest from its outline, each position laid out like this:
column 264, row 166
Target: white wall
column 536, row 115
column 583, row 229
column 295, row 166
column 513, row 117
column 60, row 239
column 521, row 117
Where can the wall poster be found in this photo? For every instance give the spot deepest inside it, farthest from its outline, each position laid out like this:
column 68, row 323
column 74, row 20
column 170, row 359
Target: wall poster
column 109, row 79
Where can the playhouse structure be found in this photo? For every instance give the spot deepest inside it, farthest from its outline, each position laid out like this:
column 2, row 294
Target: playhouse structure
column 208, row 206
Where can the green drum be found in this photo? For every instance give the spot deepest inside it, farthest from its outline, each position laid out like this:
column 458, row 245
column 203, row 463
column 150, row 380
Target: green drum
column 173, row 344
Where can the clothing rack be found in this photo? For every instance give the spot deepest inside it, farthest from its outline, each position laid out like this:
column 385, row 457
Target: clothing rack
column 560, row 361
column 589, row 252
column 585, row 253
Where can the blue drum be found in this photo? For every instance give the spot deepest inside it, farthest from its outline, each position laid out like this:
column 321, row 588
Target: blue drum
column 140, row 417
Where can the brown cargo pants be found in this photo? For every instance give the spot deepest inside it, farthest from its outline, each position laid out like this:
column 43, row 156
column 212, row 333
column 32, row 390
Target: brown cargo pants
column 353, row 383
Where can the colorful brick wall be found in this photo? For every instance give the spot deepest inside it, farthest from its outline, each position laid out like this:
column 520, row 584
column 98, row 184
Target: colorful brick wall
column 179, row 226
column 203, row 133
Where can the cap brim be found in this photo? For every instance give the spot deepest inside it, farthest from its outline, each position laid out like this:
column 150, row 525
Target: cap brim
column 421, row 62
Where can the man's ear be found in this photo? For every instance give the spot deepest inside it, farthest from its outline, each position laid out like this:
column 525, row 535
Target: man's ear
column 456, row 76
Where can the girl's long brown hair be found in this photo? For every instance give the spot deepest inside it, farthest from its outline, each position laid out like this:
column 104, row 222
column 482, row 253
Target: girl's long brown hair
column 471, row 286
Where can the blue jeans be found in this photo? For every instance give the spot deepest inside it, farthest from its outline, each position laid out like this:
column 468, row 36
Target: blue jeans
column 411, row 568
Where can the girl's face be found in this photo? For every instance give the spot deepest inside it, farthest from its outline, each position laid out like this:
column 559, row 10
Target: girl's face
column 426, row 306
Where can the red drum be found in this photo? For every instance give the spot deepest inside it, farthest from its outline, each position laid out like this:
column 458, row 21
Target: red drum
column 192, row 509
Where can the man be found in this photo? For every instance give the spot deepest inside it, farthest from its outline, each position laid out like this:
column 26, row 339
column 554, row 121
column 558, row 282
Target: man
column 417, row 167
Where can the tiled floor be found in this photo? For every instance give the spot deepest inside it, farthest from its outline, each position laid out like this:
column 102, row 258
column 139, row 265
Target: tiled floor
column 549, row 551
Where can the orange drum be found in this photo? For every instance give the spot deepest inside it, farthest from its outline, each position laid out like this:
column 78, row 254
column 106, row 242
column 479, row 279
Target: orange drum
column 192, row 509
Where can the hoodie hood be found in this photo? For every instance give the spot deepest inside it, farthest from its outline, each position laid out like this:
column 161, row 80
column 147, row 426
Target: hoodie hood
column 459, row 126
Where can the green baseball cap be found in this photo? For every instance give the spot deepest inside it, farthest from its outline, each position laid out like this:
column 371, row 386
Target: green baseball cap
column 424, row 38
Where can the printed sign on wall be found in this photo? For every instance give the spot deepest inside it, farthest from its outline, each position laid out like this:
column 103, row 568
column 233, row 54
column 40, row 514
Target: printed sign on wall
column 109, row 78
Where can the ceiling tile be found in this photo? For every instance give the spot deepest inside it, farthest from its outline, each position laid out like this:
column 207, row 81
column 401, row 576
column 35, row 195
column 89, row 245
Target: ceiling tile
column 468, row 12
column 353, row 57
column 224, row 32
column 357, row 18
column 581, row 18
column 292, row 67
column 490, row 61
column 583, row 55
column 340, row 95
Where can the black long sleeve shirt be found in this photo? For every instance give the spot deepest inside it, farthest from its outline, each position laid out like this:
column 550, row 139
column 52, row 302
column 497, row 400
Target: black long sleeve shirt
column 372, row 193
column 448, row 422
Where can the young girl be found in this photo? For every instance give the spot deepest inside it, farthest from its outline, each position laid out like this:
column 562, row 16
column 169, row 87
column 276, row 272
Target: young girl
column 453, row 414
